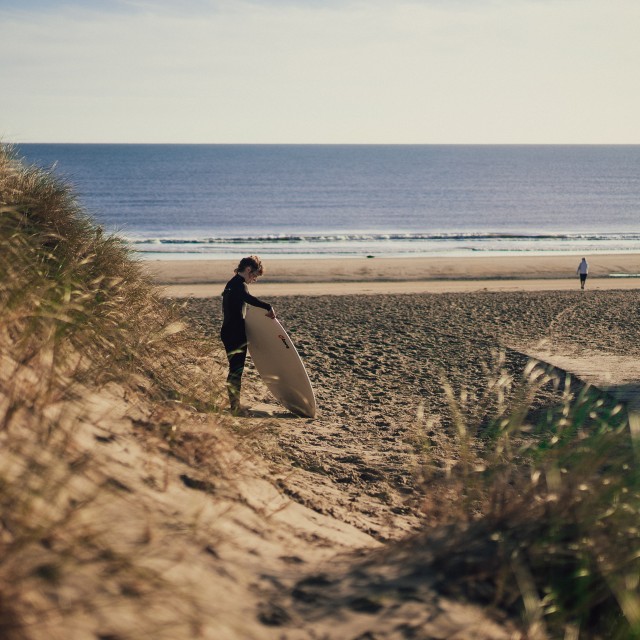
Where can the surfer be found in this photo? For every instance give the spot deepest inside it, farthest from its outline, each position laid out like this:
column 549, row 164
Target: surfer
column 583, row 271
column 233, row 335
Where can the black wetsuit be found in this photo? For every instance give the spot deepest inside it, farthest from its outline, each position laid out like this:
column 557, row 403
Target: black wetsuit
column 233, row 334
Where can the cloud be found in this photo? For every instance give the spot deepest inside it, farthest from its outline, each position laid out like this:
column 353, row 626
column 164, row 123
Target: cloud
column 305, row 71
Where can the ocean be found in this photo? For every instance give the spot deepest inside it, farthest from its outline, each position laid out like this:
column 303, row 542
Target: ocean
column 296, row 201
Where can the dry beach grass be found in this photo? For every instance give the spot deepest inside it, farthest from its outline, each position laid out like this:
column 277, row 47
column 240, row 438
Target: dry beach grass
column 447, row 489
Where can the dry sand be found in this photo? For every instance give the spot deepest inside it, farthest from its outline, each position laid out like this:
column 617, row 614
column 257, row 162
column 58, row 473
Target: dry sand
column 301, row 543
column 377, row 360
column 377, row 363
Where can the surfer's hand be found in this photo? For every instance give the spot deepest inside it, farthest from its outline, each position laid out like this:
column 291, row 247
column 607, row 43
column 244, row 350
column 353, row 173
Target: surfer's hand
column 271, row 314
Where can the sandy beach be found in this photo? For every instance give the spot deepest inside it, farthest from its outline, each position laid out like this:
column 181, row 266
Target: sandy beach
column 270, row 526
column 379, row 337
column 378, row 362
column 202, row 278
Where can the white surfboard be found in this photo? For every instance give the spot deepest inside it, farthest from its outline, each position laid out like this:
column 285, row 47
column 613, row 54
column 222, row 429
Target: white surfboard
column 279, row 363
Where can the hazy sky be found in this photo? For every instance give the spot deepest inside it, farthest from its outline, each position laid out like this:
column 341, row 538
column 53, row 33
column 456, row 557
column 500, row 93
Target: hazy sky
column 312, row 71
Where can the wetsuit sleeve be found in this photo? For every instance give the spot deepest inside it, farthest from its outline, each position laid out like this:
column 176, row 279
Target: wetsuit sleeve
column 252, row 300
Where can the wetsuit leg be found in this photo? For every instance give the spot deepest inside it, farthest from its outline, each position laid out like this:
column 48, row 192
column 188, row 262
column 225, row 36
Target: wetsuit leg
column 236, row 348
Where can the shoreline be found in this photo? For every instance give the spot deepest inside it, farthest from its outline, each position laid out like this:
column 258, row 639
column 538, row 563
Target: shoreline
column 333, row 276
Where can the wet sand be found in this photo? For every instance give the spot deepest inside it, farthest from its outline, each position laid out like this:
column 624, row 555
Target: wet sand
column 203, row 278
column 398, row 269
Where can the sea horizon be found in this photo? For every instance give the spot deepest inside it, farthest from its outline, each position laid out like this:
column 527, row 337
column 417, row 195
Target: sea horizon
column 199, row 200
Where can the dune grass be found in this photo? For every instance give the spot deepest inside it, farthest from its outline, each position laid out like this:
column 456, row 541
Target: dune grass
column 76, row 313
column 541, row 517
column 73, row 299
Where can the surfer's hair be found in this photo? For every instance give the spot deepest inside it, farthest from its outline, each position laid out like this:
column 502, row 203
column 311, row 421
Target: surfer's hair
column 251, row 261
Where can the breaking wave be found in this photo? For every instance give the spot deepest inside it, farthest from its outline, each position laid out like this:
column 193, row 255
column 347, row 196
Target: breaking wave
column 389, row 237
column 391, row 244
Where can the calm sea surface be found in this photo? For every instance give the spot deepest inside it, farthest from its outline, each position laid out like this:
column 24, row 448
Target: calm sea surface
column 189, row 201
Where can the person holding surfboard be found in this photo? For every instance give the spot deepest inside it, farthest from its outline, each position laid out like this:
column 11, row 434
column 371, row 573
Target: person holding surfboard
column 233, row 333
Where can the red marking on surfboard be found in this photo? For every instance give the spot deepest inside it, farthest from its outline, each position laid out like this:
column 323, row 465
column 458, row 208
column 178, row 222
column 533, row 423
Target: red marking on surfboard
column 284, row 341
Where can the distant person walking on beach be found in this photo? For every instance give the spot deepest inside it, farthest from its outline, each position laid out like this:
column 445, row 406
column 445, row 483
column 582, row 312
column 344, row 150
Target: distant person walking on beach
column 583, row 271
column 233, row 335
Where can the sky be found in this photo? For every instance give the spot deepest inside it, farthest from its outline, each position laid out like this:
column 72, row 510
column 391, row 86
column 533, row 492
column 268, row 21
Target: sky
column 313, row 71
